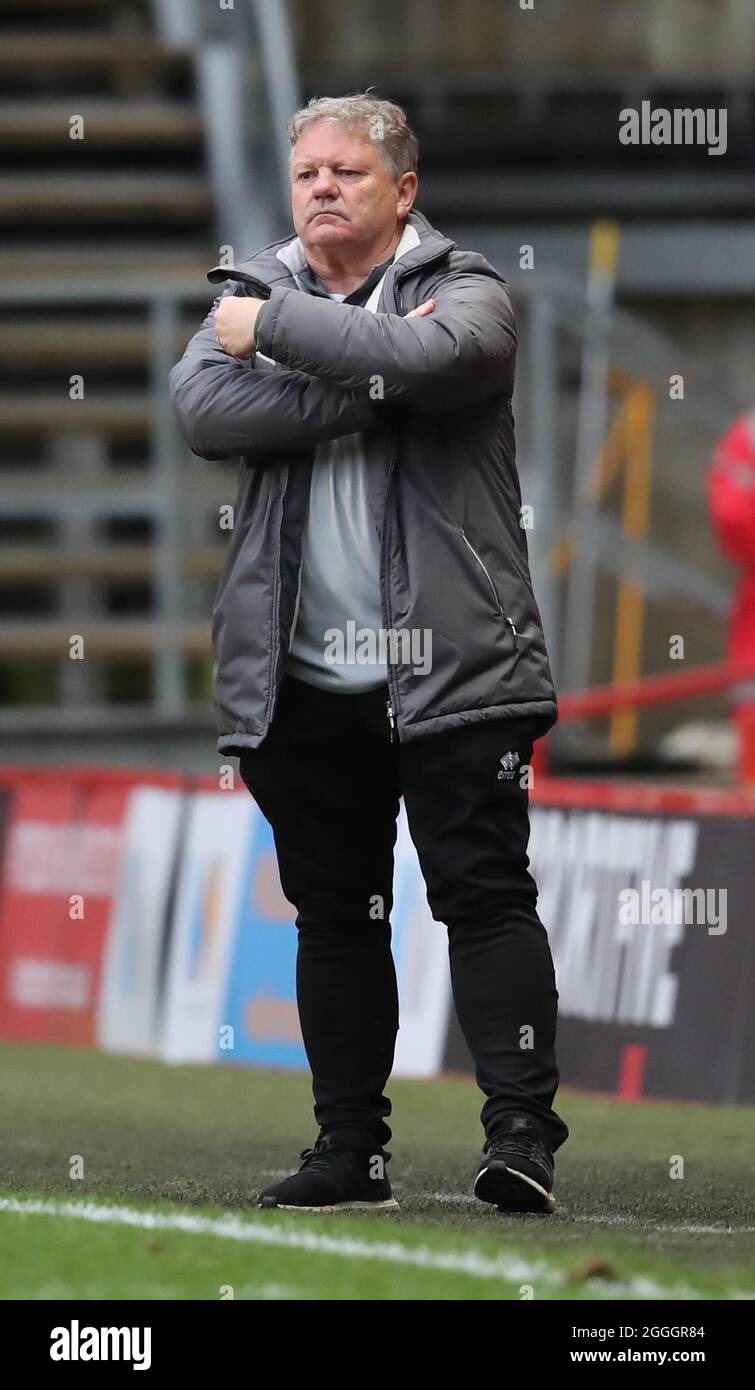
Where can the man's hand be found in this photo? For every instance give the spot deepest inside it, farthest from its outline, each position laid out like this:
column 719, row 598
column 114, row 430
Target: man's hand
column 235, row 324
column 421, row 310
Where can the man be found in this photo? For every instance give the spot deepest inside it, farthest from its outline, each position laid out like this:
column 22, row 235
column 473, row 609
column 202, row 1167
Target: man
column 364, row 370
column 731, row 498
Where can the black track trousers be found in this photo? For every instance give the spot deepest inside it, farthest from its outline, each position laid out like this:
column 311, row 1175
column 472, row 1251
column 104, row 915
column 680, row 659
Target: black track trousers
column 329, row 778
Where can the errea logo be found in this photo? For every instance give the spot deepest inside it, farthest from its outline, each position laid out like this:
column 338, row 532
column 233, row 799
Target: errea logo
column 77, row 1343
column 509, row 764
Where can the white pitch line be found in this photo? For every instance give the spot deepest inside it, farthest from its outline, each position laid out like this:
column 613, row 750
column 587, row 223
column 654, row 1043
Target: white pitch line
column 632, row 1222
column 473, row 1263
column 232, row 1227
column 639, row 1225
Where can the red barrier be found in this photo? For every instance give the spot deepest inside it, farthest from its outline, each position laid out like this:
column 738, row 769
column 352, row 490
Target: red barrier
column 641, row 796
column 661, row 690
column 12, row 776
column 654, row 690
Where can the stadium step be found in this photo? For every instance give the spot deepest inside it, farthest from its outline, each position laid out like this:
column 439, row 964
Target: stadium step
column 53, row 197
column 103, row 342
column 114, row 637
column 123, row 414
column 73, row 10
column 39, row 564
column 554, row 194
column 43, row 492
column 136, row 260
column 106, row 122
column 46, row 54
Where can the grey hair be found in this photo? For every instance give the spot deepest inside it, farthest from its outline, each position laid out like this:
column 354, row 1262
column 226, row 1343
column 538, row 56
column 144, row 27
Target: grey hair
column 382, row 121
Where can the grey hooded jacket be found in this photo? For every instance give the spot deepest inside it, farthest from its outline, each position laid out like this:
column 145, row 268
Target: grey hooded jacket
column 432, row 396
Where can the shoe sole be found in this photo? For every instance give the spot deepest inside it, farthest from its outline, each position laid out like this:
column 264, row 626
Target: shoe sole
column 509, row 1190
column 390, row 1205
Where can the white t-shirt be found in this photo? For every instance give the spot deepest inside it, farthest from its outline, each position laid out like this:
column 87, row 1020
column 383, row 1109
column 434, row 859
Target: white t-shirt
column 339, row 585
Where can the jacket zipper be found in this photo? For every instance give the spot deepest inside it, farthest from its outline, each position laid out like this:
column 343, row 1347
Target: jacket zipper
column 493, row 589
column 275, row 663
column 297, row 602
column 392, row 702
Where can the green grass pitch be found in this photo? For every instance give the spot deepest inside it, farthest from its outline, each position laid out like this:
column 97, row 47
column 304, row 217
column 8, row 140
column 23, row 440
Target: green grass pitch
column 173, row 1157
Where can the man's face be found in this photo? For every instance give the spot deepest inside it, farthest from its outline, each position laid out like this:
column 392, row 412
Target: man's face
column 343, row 197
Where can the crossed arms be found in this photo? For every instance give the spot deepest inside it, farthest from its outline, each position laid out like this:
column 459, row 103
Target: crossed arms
column 339, row 364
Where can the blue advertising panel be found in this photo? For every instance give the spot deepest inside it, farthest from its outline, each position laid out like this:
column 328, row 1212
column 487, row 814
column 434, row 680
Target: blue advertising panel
column 260, row 999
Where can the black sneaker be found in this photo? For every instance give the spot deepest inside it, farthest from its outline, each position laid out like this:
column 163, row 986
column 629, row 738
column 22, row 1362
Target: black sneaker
column 334, row 1178
column 517, row 1169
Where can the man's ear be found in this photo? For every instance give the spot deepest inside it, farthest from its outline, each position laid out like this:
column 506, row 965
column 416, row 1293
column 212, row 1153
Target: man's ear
column 407, row 185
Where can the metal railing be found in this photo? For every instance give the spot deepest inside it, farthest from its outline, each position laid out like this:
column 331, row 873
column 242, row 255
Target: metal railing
column 74, row 489
column 248, row 87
